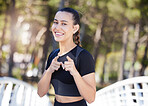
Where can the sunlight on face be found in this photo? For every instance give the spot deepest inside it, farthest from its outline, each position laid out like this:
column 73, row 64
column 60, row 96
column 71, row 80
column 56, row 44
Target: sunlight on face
column 62, row 27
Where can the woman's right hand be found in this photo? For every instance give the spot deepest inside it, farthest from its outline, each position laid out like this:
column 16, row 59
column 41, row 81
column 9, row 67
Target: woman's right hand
column 55, row 65
column 43, row 84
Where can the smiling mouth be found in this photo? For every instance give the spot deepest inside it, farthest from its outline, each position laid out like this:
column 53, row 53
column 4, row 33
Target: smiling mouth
column 58, row 34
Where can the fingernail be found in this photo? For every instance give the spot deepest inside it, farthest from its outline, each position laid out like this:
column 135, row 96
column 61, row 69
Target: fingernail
column 63, row 66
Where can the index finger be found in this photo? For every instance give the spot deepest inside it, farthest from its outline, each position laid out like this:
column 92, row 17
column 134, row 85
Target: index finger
column 69, row 59
column 56, row 58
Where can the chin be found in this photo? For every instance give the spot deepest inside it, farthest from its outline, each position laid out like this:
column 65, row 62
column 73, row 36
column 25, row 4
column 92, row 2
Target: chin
column 58, row 40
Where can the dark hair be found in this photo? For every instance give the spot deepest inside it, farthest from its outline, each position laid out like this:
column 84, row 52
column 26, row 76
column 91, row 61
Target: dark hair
column 76, row 19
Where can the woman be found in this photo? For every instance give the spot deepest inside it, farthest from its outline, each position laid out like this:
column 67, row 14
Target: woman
column 70, row 69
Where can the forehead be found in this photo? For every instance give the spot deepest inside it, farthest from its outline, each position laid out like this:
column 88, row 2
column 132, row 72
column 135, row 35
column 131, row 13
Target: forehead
column 61, row 15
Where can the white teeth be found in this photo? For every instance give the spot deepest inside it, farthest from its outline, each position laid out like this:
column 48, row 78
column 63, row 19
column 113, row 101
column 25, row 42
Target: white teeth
column 58, row 33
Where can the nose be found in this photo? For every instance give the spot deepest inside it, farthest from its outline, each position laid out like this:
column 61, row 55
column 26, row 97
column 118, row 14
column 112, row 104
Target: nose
column 58, row 27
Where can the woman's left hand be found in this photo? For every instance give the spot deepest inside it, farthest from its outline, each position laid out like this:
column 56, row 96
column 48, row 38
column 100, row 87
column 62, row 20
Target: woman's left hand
column 70, row 66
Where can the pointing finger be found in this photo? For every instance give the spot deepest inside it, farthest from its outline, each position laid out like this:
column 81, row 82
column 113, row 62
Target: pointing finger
column 69, row 59
column 61, row 63
column 63, row 66
column 56, row 58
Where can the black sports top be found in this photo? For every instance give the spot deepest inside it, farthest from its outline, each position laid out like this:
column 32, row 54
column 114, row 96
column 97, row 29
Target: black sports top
column 62, row 80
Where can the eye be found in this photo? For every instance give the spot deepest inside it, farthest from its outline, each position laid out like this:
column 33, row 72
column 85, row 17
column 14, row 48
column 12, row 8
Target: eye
column 55, row 22
column 64, row 24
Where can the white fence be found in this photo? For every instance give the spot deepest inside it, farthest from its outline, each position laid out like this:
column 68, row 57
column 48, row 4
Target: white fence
column 129, row 92
column 14, row 92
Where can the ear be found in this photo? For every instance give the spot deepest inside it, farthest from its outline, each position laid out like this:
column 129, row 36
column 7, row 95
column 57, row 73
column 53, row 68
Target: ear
column 76, row 28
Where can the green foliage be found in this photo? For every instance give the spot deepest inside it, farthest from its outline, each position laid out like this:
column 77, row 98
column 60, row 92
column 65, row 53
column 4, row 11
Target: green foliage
column 87, row 40
column 145, row 62
column 93, row 25
column 54, row 3
column 21, row 4
column 116, row 9
column 127, row 65
column 99, row 65
column 113, row 75
column 2, row 22
column 132, row 3
column 102, row 4
column 4, row 55
column 140, row 52
column 113, row 61
column 17, row 73
column 133, row 14
column 3, row 5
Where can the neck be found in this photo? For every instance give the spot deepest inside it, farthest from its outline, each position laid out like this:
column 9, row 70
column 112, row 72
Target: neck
column 66, row 47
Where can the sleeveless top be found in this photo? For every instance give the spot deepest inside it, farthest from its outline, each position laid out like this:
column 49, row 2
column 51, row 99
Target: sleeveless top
column 62, row 81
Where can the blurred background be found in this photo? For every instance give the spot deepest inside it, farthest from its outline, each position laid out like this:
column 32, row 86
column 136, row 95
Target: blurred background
column 115, row 32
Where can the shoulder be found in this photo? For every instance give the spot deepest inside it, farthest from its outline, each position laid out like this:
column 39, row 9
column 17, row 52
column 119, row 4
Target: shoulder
column 85, row 54
column 86, row 63
column 54, row 53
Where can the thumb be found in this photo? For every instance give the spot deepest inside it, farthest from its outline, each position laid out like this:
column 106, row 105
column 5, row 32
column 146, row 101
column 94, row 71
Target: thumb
column 69, row 59
column 56, row 58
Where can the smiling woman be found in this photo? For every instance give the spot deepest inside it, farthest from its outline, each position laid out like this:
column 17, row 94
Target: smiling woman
column 63, row 28
column 70, row 69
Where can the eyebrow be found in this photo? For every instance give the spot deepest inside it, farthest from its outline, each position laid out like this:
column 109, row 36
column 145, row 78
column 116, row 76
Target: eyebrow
column 61, row 20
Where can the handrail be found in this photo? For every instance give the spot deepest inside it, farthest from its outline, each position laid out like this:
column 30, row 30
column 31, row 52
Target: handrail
column 14, row 92
column 128, row 92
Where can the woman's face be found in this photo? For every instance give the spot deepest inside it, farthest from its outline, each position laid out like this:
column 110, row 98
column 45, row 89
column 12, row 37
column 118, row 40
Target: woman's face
column 63, row 27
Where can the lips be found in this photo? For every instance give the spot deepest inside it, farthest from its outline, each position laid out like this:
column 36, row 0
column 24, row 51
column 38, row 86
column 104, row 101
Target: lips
column 58, row 34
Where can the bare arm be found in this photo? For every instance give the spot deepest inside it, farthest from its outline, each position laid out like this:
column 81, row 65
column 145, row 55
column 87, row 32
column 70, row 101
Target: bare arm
column 86, row 84
column 44, row 83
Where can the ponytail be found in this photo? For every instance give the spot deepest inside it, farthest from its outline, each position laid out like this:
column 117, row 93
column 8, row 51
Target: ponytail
column 76, row 38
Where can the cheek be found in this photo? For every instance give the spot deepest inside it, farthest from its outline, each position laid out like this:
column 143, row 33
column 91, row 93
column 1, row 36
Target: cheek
column 67, row 29
column 52, row 27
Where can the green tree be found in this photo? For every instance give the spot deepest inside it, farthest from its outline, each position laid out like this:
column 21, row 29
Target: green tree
column 4, row 9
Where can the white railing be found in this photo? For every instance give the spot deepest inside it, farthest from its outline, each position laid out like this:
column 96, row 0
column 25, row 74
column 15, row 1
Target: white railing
column 129, row 92
column 14, row 92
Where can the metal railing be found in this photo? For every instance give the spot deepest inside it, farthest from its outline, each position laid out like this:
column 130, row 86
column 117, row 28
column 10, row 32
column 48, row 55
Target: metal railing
column 14, row 92
column 129, row 92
